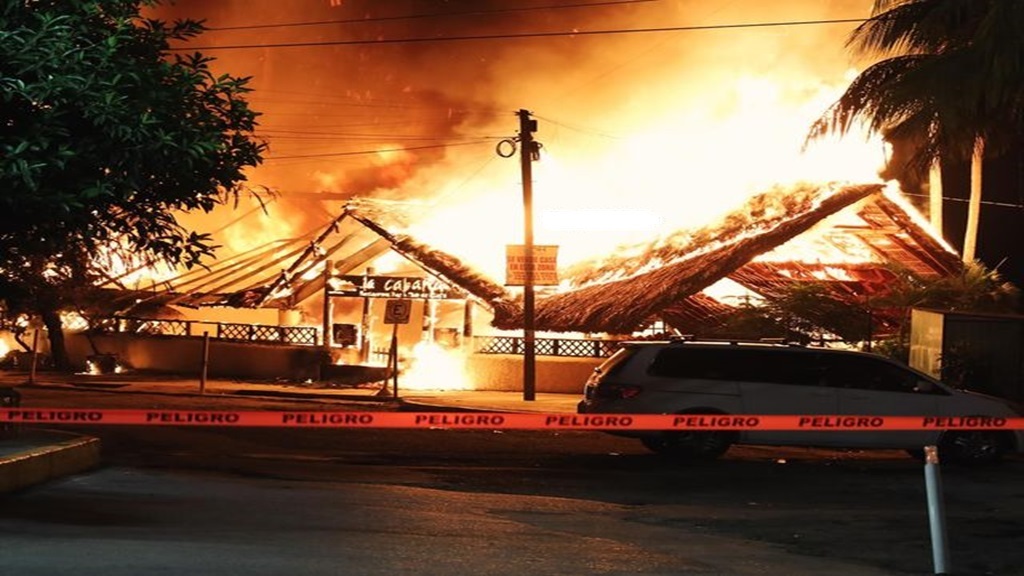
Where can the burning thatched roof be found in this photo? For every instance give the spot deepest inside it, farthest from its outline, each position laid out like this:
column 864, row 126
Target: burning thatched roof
column 284, row 273
column 623, row 293
column 617, row 294
column 443, row 265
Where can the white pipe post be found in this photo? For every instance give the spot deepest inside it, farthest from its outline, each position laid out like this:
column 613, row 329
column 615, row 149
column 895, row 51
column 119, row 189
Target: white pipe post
column 936, row 510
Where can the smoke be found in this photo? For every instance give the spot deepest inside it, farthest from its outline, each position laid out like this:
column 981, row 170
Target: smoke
column 625, row 119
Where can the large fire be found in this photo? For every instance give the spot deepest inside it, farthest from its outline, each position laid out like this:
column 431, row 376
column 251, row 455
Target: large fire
column 642, row 134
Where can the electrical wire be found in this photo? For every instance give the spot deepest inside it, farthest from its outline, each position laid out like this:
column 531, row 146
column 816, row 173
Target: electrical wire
column 379, row 151
column 320, row 136
column 523, row 35
column 983, row 202
column 432, row 15
column 577, row 128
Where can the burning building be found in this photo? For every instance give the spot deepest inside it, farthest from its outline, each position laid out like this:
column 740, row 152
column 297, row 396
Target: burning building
column 658, row 148
column 337, row 280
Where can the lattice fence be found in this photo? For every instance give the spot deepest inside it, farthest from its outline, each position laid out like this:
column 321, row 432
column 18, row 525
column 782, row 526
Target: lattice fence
column 310, row 336
column 546, row 346
column 304, row 335
column 158, row 327
column 301, row 335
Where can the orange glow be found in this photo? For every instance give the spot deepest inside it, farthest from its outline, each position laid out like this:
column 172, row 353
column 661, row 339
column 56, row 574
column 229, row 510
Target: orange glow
column 666, row 132
column 434, row 367
column 674, row 171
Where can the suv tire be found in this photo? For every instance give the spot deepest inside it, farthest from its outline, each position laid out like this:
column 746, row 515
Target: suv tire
column 972, row 447
column 699, row 446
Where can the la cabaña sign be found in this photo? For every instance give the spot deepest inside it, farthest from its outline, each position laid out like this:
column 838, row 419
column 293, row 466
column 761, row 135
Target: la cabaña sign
column 392, row 287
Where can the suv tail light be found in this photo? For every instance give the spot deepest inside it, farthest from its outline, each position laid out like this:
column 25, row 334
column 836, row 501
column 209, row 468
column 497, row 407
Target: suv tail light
column 608, row 391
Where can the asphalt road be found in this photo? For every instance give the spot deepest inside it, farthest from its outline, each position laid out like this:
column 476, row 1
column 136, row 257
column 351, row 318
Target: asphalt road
column 460, row 501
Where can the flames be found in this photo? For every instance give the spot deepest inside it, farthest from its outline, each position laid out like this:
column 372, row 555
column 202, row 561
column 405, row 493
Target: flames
column 642, row 135
column 432, row 366
column 126, row 267
column 680, row 172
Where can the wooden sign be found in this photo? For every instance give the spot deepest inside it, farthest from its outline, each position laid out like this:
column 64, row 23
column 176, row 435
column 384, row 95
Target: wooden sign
column 545, row 265
column 393, row 287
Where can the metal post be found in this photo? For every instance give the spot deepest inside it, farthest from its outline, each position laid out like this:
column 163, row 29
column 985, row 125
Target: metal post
column 328, row 310
column 526, row 128
column 393, row 356
column 35, row 357
column 206, row 363
column 467, row 325
column 936, row 510
column 365, row 325
column 429, row 320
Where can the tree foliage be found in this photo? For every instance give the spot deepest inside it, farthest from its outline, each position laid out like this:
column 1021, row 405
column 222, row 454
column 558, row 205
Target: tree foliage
column 812, row 311
column 801, row 312
column 952, row 73
column 105, row 137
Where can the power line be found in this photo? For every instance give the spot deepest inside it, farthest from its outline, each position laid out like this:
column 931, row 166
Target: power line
column 334, row 137
column 379, row 151
column 524, row 35
column 432, row 15
column 580, row 129
column 984, row 202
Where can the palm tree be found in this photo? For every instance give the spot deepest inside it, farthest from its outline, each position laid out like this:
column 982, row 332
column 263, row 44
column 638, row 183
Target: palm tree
column 952, row 78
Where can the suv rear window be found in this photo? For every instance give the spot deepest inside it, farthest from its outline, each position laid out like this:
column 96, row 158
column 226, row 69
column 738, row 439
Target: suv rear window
column 736, row 364
column 610, row 366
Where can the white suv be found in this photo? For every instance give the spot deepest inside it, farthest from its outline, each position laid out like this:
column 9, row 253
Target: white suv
column 712, row 377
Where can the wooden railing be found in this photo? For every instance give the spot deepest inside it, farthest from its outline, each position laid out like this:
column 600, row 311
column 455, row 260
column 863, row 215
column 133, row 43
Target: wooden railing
column 310, row 336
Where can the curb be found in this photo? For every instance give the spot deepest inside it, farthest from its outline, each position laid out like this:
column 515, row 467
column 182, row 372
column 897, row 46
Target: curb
column 253, row 393
column 52, row 460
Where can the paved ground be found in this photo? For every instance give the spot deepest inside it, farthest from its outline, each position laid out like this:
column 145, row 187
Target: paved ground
column 31, row 455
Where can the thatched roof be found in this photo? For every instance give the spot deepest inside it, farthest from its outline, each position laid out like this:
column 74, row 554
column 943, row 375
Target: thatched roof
column 619, row 293
column 623, row 293
column 443, row 265
column 283, row 273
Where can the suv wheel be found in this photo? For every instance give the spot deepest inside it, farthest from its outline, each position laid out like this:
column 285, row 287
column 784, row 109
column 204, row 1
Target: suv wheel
column 689, row 445
column 972, row 447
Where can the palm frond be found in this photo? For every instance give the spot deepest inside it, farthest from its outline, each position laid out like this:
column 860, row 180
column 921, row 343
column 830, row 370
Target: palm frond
column 870, row 99
column 899, row 27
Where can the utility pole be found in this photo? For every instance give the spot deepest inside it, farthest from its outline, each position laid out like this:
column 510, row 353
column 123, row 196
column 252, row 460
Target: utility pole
column 528, row 151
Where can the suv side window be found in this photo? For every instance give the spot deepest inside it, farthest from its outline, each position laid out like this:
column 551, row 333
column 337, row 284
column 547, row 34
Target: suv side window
column 736, row 364
column 867, row 373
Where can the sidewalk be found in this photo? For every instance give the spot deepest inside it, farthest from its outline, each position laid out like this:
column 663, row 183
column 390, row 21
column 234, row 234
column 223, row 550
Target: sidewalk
column 409, row 399
column 34, row 456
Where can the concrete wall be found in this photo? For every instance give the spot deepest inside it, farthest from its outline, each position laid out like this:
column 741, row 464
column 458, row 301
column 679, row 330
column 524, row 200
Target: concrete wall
column 554, row 374
column 183, row 355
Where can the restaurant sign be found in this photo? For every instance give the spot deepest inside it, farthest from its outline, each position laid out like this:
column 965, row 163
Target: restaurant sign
column 392, row 287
